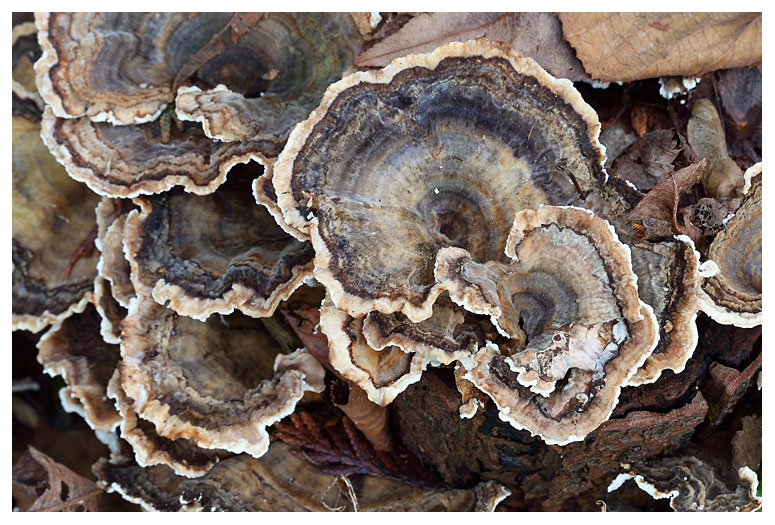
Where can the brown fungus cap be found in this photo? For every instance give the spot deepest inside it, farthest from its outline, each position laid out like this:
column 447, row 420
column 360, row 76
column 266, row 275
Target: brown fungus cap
column 450, row 334
column 25, row 52
column 382, row 374
column 109, row 310
column 213, row 253
column 126, row 161
column 435, row 150
column 181, row 455
column 294, row 57
column 669, row 278
column 113, row 265
column 117, row 67
column 691, row 485
column 734, row 294
column 53, row 221
column 571, row 295
column 125, row 68
column 219, row 383
column 74, row 349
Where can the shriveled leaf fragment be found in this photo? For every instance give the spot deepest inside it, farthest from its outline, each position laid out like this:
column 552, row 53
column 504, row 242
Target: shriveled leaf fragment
column 708, row 215
column 740, row 91
column 537, row 35
column 706, row 135
column 649, row 159
column 657, row 211
column 747, row 444
column 632, row 46
column 50, row 486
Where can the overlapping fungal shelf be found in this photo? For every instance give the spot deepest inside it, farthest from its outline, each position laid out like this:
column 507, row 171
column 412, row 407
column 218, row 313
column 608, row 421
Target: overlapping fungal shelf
column 452, row 208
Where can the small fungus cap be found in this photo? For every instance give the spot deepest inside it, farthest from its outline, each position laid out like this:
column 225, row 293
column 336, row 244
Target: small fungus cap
column 435, row 150
column 382, row 374
column 669, row 278
column 571, row 296
column 734, row 294
column 219, row 383
column 127, row 161
column 74, row 349
column 213, row 253
column 181, row 455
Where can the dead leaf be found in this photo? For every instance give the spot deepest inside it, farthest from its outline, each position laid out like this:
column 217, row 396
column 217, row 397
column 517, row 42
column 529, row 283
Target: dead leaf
column 41, row 484
column 706, row 135
column 537, row 35
column 239, row 24
column 657, row 210
column 747, row 444
column 649, row 159
column 708, row 215
column 632, row 46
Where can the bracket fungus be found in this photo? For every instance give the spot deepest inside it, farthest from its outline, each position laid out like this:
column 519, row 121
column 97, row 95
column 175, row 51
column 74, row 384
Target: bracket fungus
column 382, row 374
column 219, row 383
column 571, row 296
column 181, row 455
column 734, row 294
column 213, row 253
column 125, row 68
column 691, row 485
column 127, row 161
column 467, row 135
column 53, row 222
column 295, row 57
column 113, row 265
column 669, row 278
column 74, row 349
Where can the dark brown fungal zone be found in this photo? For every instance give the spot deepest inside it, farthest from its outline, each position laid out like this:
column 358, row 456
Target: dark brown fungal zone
column 26, row 46
column 353, row 329
column 422, row 108
column 143, row 152
column 466, row 337
column 501, row 371
column 250, row 248
column 79, row 337
column 25, row 108
column 32, row 296
column 677, row 298
column 181, row 451
column 157, row 485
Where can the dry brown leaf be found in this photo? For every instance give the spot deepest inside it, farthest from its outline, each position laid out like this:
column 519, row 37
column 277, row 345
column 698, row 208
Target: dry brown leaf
column 649, row 159
column 632, row 46
column 747, row 444
column 537, row 35
column 41, row 484
column 657, row 210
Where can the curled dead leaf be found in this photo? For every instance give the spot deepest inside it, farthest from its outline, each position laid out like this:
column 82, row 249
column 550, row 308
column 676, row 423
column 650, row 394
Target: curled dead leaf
column 632, row 46
column 651, row 158
column 657, row 211
column 42, row 484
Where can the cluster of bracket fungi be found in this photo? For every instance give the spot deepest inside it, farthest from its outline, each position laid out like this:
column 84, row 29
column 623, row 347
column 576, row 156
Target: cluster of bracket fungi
column 451, row 210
